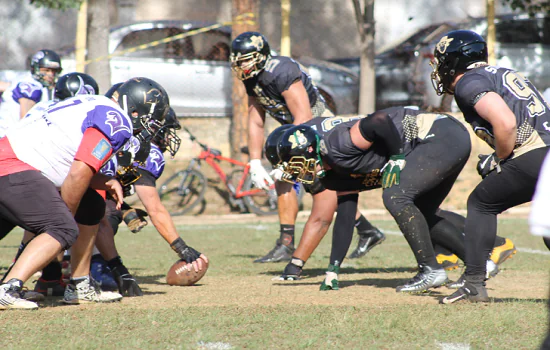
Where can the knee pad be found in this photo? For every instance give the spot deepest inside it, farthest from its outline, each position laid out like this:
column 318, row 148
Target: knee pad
column 91, row 209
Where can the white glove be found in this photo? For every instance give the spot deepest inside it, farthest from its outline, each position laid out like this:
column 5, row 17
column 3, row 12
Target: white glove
column 279, row 175
column 260, row 177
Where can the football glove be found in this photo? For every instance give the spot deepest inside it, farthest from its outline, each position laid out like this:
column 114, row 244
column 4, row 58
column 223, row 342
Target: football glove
column 135, row 219
column 127, row 285
column 184, row 251
column 487, row 163
column 260, row 177
column 391, row 172
column 279, row 175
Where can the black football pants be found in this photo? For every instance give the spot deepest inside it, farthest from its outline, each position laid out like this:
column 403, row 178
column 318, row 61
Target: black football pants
column 514, row 185
column 430, row 172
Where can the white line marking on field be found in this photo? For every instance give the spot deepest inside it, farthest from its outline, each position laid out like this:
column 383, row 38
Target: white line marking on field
column 214, row 345
column 533, row 251
column 454, row 346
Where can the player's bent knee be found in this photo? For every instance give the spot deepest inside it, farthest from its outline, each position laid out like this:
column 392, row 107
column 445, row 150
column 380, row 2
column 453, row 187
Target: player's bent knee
column 91, row 209
column 66, row 235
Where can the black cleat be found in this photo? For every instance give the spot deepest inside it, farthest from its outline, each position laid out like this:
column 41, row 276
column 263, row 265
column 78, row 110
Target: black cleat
column 279, row 253
column 292, row 272
column 472, row 292
column 367, row 240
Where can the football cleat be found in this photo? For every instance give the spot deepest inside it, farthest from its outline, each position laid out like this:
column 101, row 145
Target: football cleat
column 426, row 278
column 503, row 252
column 101, row 273
column 292, row 271
column 88, row 291
column 10, row 296
column 50, row 288
column 367, row 240
column 279, row 253
column 331, row 279
column 472, row 292
column 447, row 262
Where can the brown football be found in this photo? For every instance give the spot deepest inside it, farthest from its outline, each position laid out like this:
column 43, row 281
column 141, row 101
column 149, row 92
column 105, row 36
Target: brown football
column 179, row 275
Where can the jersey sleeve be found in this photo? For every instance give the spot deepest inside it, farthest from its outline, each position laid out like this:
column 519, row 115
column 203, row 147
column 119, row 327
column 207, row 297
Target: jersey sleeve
column 470, row 86
column 109, row 168
column 111, row 122
column 94, row 149
column 155, row 162
column 27, row 90
column 285, row 74
column 146, row 179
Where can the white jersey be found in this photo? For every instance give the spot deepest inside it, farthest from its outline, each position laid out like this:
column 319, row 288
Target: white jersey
column 49, row 139
column 9, row 105
column 539, row 221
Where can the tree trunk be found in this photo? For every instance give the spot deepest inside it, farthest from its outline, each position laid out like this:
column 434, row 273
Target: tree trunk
column 365, row 27
column 238, row 131
column 98, row 43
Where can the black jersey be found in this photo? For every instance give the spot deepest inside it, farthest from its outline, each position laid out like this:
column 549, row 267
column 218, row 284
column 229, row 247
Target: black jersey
column 356, row 169
column 531, row 110
column 267, row 87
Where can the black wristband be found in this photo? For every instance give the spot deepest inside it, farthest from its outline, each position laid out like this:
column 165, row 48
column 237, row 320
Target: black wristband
column 178, row 245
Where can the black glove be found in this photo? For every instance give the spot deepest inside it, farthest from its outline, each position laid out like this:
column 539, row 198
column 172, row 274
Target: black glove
column 488, row 163
column 293, row 270
column 127, row 285
column 135, row 219
column 184, row 251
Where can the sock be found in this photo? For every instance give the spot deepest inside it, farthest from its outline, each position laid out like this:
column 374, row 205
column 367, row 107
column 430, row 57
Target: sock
column 499, row 241
column 77, row 280
column 362, row 224
column 287, row 235
column 52, row 271
column 115, row 262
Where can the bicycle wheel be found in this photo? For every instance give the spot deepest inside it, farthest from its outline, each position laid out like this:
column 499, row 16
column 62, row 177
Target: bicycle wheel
column 262, row 203
column 182, row 191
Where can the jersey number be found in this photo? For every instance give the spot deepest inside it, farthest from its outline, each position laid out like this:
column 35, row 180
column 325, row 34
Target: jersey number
column 330, row 123
column 517, row 86
column 271, row 64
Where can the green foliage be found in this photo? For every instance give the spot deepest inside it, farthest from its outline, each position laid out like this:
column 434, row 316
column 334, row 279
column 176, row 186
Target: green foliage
column 57, row 4
column 530, row 6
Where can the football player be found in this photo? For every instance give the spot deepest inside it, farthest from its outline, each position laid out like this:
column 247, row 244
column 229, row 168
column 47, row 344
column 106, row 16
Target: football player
column 165, row 140
column 19, row 97
column 511, row 116
column 281, row 88
column 352, row 154
column 50, row 164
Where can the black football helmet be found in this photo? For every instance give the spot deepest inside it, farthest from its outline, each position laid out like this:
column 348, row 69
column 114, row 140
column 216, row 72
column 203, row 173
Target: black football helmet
column 112, row 90
column 456, row 52
column 145, row 101
column 45, row 59
column 299, row 154
column 249, row 54
column 270, row 147
column 72, row 84
column 166, row 138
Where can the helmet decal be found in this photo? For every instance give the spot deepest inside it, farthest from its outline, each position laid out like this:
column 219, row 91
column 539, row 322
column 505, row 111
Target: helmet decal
column 257, row 41
column 443, row 44
column 297, row 139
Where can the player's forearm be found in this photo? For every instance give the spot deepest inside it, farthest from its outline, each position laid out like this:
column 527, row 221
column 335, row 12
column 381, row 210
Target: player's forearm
column 162, row 221
column 505, row 140
column 255, row 141
column 72, row 191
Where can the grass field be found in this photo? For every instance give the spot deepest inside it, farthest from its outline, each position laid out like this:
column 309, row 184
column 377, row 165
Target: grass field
column 237, row 305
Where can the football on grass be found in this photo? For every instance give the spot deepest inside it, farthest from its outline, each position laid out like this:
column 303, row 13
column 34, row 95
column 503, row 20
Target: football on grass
column 180, row 275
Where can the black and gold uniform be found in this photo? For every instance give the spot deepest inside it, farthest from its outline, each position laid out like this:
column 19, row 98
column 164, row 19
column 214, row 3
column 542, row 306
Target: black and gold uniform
column 515, row 183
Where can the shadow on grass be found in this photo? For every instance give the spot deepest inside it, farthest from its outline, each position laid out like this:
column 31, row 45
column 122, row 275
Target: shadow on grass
column 346, row 270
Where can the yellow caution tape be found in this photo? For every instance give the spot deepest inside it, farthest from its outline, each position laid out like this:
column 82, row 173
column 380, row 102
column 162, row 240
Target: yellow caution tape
column 246, row 18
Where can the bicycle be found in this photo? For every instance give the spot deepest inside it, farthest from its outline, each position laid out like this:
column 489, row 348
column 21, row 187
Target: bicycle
column 184, row 190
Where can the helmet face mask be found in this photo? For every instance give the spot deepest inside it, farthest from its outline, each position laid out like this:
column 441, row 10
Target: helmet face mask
column 298, row 151
column 72, row 84
column 45, row 59
column 455, row 53
column 166, row 138
column 249, row 55
column 145, row 101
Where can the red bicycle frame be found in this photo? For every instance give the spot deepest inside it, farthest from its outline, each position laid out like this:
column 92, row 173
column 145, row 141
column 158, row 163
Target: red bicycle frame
column 213, row 159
